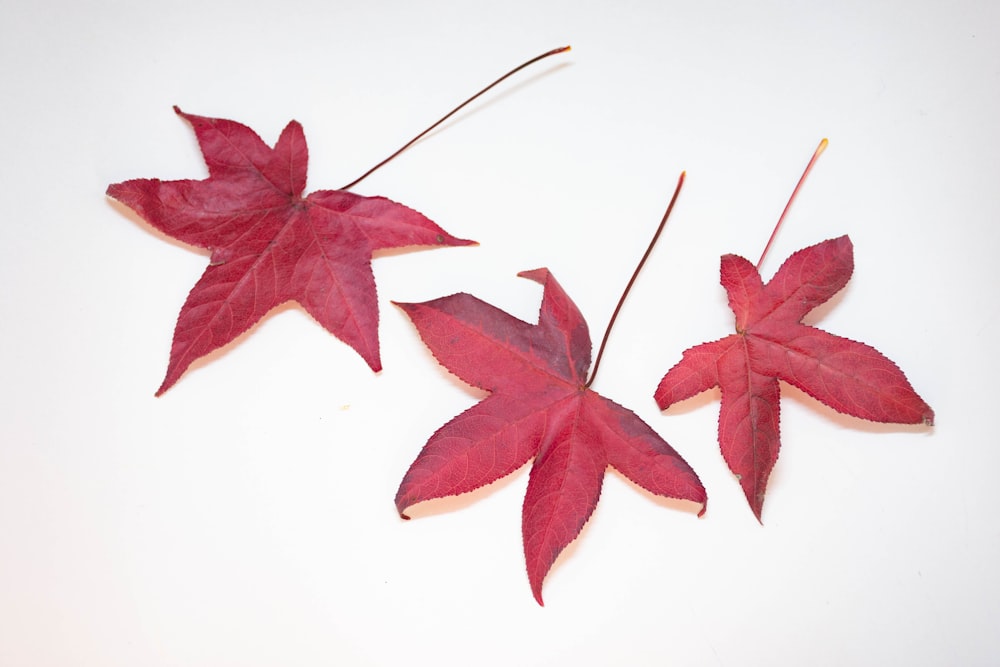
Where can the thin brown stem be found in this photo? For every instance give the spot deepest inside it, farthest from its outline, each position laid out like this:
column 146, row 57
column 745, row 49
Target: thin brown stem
column 812, row 161
column 451, row 113
column 631, row 281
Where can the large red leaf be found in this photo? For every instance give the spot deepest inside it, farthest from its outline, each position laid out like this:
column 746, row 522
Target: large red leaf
column 270, row 244
column 772, row 344
column 538, row 407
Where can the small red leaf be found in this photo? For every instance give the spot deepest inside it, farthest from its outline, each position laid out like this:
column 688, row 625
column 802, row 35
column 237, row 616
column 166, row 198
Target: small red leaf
column 772, row 344
column 270, row 244
column 538, row 407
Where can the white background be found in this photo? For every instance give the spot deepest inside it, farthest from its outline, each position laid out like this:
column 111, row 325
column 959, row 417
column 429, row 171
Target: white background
column 246, row 517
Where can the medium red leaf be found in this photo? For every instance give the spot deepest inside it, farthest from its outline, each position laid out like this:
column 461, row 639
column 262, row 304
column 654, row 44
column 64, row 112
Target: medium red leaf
column 270, row 244
column 538, row 407
column 772, row 344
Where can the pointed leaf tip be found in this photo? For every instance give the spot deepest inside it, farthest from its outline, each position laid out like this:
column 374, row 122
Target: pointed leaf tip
column 538, row 275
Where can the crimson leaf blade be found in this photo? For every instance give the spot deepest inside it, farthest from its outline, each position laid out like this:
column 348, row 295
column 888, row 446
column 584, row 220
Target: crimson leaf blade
column 269, row 244
column 771, row 344
column 538, row 407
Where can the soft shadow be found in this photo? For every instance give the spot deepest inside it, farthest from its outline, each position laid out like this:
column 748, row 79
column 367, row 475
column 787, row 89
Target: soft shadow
column 221, row 352
column 676, row 504
column 667, row 503
column 406, row 250
column 134, row 218
column 788, row 392
column 568, row 552
column 448, row 504
column 696, row 402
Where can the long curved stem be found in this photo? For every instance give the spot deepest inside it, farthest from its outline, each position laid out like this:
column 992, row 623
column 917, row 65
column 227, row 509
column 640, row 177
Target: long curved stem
column 631, row 281
column 802, row 178
column 451, row 113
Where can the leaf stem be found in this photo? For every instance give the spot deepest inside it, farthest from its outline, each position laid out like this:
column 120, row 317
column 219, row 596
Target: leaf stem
column 812, row 161
column 451, row 113
column 631, row 281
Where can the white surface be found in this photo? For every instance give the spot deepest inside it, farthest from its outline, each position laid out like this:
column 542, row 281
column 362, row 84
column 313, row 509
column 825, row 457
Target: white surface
column 246, row 517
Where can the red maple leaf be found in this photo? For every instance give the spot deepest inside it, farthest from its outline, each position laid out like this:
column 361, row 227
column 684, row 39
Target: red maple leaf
column 772, row 344
column 540, row 407
column 270, row 244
